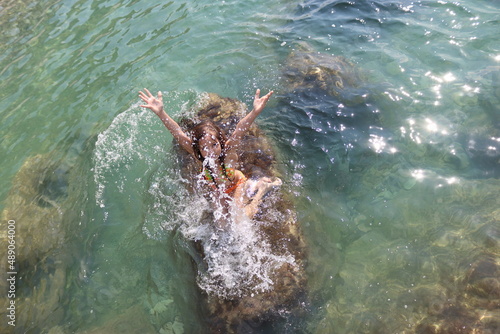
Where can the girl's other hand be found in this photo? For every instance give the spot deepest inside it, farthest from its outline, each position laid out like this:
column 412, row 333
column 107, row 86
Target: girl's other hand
column 260, row 102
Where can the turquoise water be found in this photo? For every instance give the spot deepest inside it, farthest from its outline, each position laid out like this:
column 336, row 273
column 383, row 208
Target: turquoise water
column 395, row 182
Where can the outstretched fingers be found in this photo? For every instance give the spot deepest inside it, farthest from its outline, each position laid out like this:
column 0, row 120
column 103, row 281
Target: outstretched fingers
column 143, row 95
column 257, row 94
column 265, row 97
column 148, row 97
column 260, row 102
column 268, row 95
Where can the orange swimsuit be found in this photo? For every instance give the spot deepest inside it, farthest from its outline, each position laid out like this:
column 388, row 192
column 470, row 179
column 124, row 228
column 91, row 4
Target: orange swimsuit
column 228, row 173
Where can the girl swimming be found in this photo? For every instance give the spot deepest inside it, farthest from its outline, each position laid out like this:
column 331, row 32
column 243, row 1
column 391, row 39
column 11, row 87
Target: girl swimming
column 219, row 158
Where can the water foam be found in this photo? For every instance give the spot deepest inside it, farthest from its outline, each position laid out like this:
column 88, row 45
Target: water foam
column 238, row 259
column 120, row 146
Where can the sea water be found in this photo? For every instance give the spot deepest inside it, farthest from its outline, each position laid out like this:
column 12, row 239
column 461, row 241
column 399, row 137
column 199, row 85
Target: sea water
column 397, row 193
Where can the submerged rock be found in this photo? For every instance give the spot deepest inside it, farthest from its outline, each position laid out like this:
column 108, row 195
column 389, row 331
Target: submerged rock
column 329, row 117
column 133, row 320
column 482, row 281
column 484, row 153
column 445, row 279
column 35, row 205
column 273, row 241
column 309, row 70
column 474, row 306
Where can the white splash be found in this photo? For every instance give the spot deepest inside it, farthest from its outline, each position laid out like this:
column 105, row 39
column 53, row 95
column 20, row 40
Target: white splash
column 116, row 149
column 239, row 261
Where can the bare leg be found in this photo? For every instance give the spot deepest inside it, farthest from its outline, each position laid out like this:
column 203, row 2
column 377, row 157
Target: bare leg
column 249, row 195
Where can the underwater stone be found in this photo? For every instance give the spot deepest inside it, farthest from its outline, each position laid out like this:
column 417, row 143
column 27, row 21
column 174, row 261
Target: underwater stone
column 56, row 330
column 221, row 110
column 434, row 284
column 483, row 279
column 362, row 223
column 175, row 327
column 35, row 202
column 45, row 305
column 393, row 68
column 465, row 100
column 410, row 183
column 308, row 70
column 484, row 153
column 133, row 320
column 458, row 158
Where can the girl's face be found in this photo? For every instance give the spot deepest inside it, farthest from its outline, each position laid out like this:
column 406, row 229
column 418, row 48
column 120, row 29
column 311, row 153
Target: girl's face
column 209, row 146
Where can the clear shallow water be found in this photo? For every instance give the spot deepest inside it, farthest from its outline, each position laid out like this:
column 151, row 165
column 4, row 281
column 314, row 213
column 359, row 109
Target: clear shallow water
column 396, row 193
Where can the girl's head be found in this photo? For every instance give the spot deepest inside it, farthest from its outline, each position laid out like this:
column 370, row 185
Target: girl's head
column 208, row 141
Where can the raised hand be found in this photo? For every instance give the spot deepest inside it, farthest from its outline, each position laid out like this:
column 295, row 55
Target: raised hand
column 244, row 124
column 153, row 103
column 260, row 102
column 156, row 105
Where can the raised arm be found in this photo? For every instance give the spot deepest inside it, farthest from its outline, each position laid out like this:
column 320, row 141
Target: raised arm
column 156, row 105
column 244, row 124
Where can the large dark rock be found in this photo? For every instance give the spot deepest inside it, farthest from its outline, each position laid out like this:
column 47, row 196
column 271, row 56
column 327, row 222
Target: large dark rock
column 247, row 307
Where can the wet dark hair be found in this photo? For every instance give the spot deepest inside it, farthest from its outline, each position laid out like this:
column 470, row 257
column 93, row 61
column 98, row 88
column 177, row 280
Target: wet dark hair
column 201, row 129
